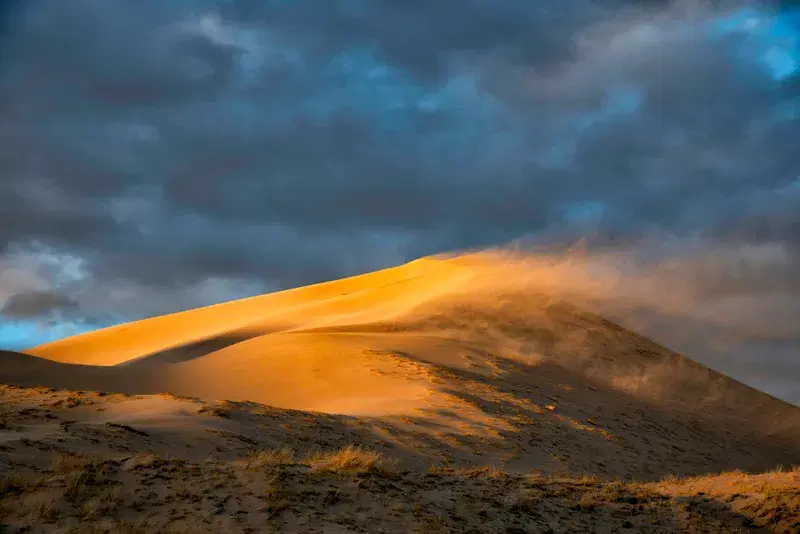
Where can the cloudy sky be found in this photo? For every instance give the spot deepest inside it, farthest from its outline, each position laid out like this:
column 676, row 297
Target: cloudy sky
column 161, row 155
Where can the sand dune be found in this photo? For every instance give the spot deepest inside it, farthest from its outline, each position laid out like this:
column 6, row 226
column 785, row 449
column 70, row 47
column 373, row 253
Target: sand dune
column 462, row 350
column 444, row 364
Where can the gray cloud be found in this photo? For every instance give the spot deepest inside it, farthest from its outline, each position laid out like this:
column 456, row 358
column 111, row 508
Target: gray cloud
column 200, row 151
column 36, row 304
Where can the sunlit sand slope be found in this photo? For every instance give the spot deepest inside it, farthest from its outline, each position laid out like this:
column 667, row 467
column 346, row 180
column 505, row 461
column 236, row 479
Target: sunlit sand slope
column 361, row 298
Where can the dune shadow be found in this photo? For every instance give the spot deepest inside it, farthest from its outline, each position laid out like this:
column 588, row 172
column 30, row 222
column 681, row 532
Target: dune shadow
column 591, row 427
column 134, row 377
column 32, row 371
column 190, row 351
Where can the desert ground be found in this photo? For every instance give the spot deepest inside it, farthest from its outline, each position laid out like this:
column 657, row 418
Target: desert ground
column 450, row 394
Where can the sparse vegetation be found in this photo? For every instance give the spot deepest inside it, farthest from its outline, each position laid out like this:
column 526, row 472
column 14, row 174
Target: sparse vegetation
column 327, row 488
column 270, row 458
column 66, row 463
column 351, row 460
column 82, row 481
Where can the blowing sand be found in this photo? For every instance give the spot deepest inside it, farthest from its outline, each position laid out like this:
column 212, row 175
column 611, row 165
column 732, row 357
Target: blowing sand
column 440, row 366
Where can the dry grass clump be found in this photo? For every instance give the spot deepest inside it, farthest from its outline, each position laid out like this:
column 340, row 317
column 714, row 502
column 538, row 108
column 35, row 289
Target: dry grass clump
column 67, row 463
column 590, row 501
column 45, row 511
column 781, row 469
column 82, row 479
column 103, row 503
column 491, row 472
column 271, row 458
column 81, row 482
column 78, row 473
column 351, row 460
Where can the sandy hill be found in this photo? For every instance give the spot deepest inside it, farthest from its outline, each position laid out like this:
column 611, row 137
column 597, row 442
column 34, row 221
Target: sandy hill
column 450, row 362
column 469, row 346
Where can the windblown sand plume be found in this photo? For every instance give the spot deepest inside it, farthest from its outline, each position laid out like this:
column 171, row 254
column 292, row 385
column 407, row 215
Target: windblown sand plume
column 446, row 363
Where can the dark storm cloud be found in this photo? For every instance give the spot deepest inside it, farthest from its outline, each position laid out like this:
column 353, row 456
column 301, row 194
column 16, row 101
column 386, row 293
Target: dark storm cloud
column 37, row 304
column 199, row 151
column 418, row 35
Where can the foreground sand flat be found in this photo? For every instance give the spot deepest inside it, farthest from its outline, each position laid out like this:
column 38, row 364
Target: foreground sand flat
column 89, row 462
column 461, row 381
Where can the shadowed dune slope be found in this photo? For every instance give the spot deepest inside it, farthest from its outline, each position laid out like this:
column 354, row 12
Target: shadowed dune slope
column 466, row 359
